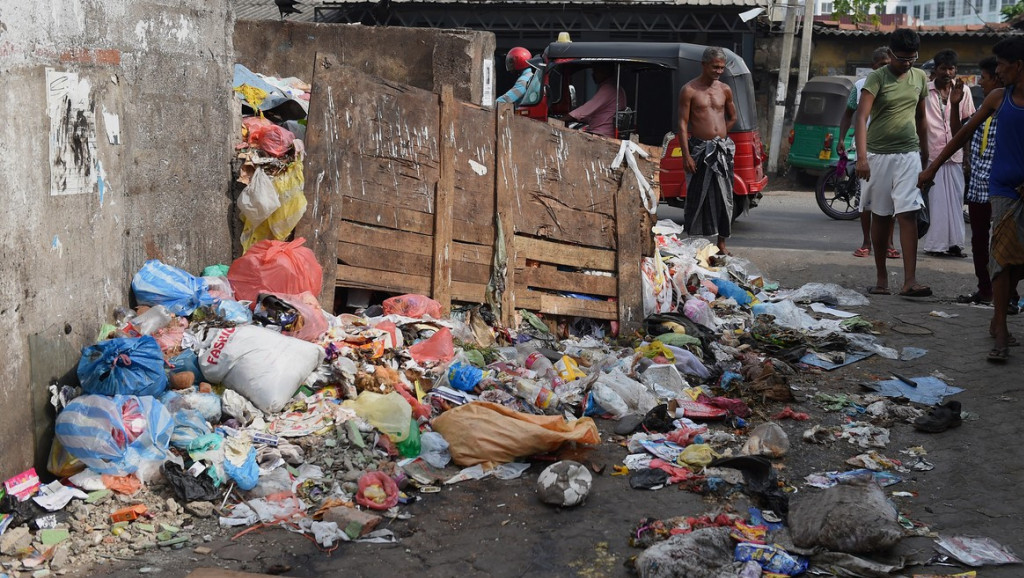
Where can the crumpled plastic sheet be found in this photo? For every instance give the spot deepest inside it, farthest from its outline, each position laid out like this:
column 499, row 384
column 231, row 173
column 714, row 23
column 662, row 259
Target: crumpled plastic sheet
column 829, row 294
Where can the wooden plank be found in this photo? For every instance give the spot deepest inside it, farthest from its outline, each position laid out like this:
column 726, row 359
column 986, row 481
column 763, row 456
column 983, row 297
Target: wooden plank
column 564, row 254
column 441, row 271
column 503, row 277
column 396, row 282
column 474, row 165
column 558, row 305
column 375, row 280
column 393, row 217
column 415, row 243
column 630, row 233
column 370, row 257
column 547, row 277
column 324, row 162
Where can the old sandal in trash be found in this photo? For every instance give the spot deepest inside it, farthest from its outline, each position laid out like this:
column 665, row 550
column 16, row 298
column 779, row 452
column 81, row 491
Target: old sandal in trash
column 940, row 418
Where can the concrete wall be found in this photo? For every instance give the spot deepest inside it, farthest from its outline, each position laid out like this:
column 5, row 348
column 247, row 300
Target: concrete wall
column 421, row 57
column 163, row 70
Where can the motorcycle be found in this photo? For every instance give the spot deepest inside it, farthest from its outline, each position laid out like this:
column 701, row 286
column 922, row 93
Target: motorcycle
column 838, row 191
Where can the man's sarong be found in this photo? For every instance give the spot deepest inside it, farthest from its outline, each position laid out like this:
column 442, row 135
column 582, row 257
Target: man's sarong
column 709, row 192
column 1007, row 234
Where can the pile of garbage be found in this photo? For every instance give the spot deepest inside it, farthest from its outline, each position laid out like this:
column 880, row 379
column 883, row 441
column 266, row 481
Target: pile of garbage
column 233, row 397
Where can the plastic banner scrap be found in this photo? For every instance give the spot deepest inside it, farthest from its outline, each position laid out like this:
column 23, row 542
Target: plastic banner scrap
column 928, row 391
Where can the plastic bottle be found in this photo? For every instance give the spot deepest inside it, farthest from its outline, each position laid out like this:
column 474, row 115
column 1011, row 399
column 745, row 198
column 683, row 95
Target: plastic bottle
column 536, row 393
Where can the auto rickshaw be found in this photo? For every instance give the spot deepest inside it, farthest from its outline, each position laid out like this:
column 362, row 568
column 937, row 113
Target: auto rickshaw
column 658, row 71
column 812, row 142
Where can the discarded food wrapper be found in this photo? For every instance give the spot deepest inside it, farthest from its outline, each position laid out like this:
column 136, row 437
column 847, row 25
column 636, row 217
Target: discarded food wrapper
column 23, row 485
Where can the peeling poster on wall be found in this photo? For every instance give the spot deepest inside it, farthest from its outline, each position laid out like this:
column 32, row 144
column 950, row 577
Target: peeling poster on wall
column 72, row 134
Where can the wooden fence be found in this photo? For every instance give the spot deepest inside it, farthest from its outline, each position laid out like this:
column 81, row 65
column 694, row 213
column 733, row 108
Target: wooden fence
column 415, row 192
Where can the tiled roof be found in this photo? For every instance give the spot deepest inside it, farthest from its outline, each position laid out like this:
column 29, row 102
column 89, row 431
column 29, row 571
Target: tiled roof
column 737, row 3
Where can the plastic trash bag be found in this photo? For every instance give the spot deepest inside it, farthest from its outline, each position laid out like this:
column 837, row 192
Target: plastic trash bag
column 434, row 449
column 482, row 432
column 189, row 424
column 829, row 294
column 189, row 488
column 61, row 463
column 234, row 312
column 115, row 435
column 264, row 134
column 259, row 198
column 412, row 305
column 298, row 316
column 767, row 439
column 123, row 366
column 159, row 284
column 207, row 404
column 704, row 552
column 609, row 400
column 700, row 312
column 389, row 413
column 280, row 224
column 247, row 475
column 439, row 347
column 377, row 491
column 275, row 267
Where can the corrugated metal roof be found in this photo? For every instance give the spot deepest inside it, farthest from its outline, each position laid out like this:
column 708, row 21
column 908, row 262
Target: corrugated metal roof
column 267, row 10
column 929, row 31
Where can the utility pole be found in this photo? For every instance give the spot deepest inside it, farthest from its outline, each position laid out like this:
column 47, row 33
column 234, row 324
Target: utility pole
column 779, row 112
column 805, row 50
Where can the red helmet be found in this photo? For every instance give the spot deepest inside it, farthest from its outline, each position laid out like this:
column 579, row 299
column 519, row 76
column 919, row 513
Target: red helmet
column 516, row 59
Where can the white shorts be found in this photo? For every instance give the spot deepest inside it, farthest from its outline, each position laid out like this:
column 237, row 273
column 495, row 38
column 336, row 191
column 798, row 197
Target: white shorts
column 892, row 189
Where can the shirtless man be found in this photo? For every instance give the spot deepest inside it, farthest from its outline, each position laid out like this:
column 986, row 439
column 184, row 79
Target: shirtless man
column 706, row 114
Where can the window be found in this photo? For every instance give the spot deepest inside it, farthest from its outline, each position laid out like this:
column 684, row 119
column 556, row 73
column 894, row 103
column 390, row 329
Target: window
column 940, row 10
column 917, row 11
column 952, row 8
column 827, row 8
column 927, row 12
column 1008, row 3
column 901, row 9
column 993, row 5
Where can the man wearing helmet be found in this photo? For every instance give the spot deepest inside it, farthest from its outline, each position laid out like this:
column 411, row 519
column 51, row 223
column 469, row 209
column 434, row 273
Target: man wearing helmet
column 517, row 61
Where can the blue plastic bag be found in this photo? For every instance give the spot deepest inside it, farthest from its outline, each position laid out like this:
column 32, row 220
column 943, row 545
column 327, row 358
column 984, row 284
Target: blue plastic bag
column 115, row 435
column 247, row 475
column 180, row 292
column 123, row 366
column 189, row 425
column 234, row 312
column 186, row 361
column 463, row 376
column 728, row 289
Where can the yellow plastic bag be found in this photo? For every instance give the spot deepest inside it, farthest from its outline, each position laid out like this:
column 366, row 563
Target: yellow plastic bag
column 696, row 456
column 389, row 413
column 289, row 186
column 488, row 433
column 61, row 463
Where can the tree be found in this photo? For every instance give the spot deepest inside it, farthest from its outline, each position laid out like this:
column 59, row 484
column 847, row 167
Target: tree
column 1012, row 11
column 858, row 10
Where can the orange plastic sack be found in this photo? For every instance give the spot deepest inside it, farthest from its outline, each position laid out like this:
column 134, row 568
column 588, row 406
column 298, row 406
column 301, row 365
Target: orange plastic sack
column 275, row 267
column 127, row 485
column 412, row 305
column 263, row 134
column 488, row 433
column 438, row 348
column 377, row 491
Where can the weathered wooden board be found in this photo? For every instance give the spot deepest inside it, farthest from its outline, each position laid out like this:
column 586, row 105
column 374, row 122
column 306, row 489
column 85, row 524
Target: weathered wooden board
column 418, row 191
column 562, row 184
column 474, row 167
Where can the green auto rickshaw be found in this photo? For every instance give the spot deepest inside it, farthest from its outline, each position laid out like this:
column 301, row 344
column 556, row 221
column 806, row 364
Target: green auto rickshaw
column 813, row 140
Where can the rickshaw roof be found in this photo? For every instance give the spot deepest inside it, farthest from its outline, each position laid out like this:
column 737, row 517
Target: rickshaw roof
column 666, row 54
column 840, row 85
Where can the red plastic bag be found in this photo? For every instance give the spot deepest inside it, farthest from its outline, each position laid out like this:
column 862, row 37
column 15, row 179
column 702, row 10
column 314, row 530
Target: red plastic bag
column 438, row 348
column 263, row 134
column 275, row 267
column 377, row 491
column 412, row 305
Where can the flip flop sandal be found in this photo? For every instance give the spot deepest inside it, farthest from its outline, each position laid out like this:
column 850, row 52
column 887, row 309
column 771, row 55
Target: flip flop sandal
column 862, row 252
column 999, row 354
column 876, row 290
column 892, row 253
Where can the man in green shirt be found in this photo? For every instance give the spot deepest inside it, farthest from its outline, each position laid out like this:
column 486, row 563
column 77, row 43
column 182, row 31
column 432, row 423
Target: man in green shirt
column 890, row 153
